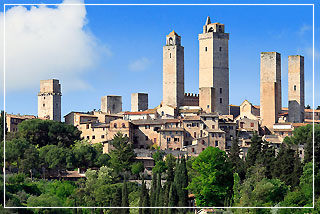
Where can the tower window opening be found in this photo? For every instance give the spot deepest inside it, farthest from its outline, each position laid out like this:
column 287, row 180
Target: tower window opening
column 170, row 55
column 220, row 49
column 220, row 90
column 295, row 87
column 206, row 49
column 44, row 105
column 220, row 100
column 208, row 106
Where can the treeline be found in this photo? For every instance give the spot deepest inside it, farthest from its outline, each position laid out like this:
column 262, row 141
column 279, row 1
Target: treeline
column 266, row 177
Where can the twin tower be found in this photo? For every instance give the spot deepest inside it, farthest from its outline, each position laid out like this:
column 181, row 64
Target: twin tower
column 213, row 69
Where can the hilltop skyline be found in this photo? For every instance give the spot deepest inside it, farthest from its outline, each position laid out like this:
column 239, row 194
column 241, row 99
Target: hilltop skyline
column 118, row 50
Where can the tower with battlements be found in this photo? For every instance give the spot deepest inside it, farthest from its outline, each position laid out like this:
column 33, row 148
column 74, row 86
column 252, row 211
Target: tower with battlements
column 49, row 100
column 173, row 71
column 214, row 68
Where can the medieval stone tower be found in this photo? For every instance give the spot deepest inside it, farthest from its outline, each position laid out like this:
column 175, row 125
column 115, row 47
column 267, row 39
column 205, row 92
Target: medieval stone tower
column 173, row 71
column 296, row 88
column 49, row 100
column 111, row 104
column 214, row 68
column 270, row 88
column 139, row 102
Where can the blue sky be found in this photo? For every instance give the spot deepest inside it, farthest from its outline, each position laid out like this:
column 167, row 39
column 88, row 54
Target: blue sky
column 118, row 50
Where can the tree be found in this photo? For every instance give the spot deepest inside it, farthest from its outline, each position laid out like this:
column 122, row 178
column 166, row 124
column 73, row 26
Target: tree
column 234, row 159
column 258, row 191
column 160, row 165
column 30, row 162
column 170, row 164
column 144, row 198
column 254, row 152
column 3, row 126
column 117, row 202
column 153, row 193
column 173, row 199
column 137, row 168
column 181, row 182
column 122, row 153
column 268, row 159
column 15, row 151
column 213, row 184
column 125, row 200
column 48, row 132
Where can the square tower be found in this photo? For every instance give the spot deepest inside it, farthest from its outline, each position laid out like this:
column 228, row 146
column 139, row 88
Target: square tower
column 139, row 102
column 296, row 88
column 49, row 100
column 173, row 71
column 111, row 104
column 214, row 68
column 270, row 88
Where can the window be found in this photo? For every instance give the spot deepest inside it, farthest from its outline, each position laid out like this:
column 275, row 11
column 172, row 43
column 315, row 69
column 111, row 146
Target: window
column 195, row 134
column 88, row 137
column 146, row 137
column 102, row 136
column 204, row 118
column 220, row 49
column 162, row 113
column 123, row 125
column 217, row 143
column 147, row 126
column 93, row 137
column 220, row 100
column 241, row 124
column 203, row 142
column 176, row 139
column 213, row 126
column 206, row 49
column 154, row 140
column 208, row 106
column 115, row 125
column 170, row 55
column 168, row 139
column 44, row 98
column 44, row 105
column 220, row 90
column 252, row 125
column 192, row 150
column 87, row 126
column 295, row 87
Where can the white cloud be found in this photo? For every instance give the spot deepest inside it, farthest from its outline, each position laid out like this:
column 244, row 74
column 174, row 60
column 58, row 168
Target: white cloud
column 45, row 43
column 303, row 29
column 140, row 64
column 309, row 52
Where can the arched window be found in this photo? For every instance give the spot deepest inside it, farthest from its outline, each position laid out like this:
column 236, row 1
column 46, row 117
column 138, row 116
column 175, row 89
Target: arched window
column 123, row 125
column 210, row 29
column 170, row 41
column 115, row 125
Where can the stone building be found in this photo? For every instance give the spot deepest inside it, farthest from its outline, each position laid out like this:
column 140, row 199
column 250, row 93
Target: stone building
column 173, row 71
column 111, row 104
column 214, row 68
column 12, row 121
column 270, row 88
column 296, row 88
column 49, row 100
column 139, row 102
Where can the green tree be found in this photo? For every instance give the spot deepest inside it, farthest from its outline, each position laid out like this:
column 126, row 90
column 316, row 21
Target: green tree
column 48, row 132
column 170, row 164
column 122, row 153
column 173, row 199
column 181, row 182
column 254, row 151
column 213, row 185
column 15, row 151
column 3, row 126
column 258, row 191
column 137, row 168
column 117, row 202
column 153, row 192
column 125, row 199
column 30, row 162
column 234, row 159
column 160, row 165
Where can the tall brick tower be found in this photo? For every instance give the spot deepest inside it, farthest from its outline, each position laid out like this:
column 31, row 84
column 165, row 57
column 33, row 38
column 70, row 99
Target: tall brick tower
column 49, row 100
column 270, row 88
column 173, row 71
column 214, row 68
column 296, row 88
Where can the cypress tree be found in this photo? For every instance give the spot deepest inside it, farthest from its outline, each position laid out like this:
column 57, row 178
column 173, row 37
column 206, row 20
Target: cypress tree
column 267, row 159
column 146, row 203
column 181, row 182
column 158, row 193
column 153, row 193
column 234, row 159
column 173, row 199
column 116, row 202
column 125, row 199
column 166, row 196
column 143, row 193
column 254, row 152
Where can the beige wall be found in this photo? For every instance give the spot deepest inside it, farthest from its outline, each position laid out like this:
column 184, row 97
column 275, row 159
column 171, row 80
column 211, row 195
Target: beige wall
column 270, row 88
column 296, row 88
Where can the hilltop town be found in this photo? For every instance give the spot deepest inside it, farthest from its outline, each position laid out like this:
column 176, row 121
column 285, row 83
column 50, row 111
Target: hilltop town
column 192, row 150
column 188, row 122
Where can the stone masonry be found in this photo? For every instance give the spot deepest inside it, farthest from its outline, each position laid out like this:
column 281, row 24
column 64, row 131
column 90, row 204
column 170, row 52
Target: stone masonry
column 111, row 104
column 139, row 102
